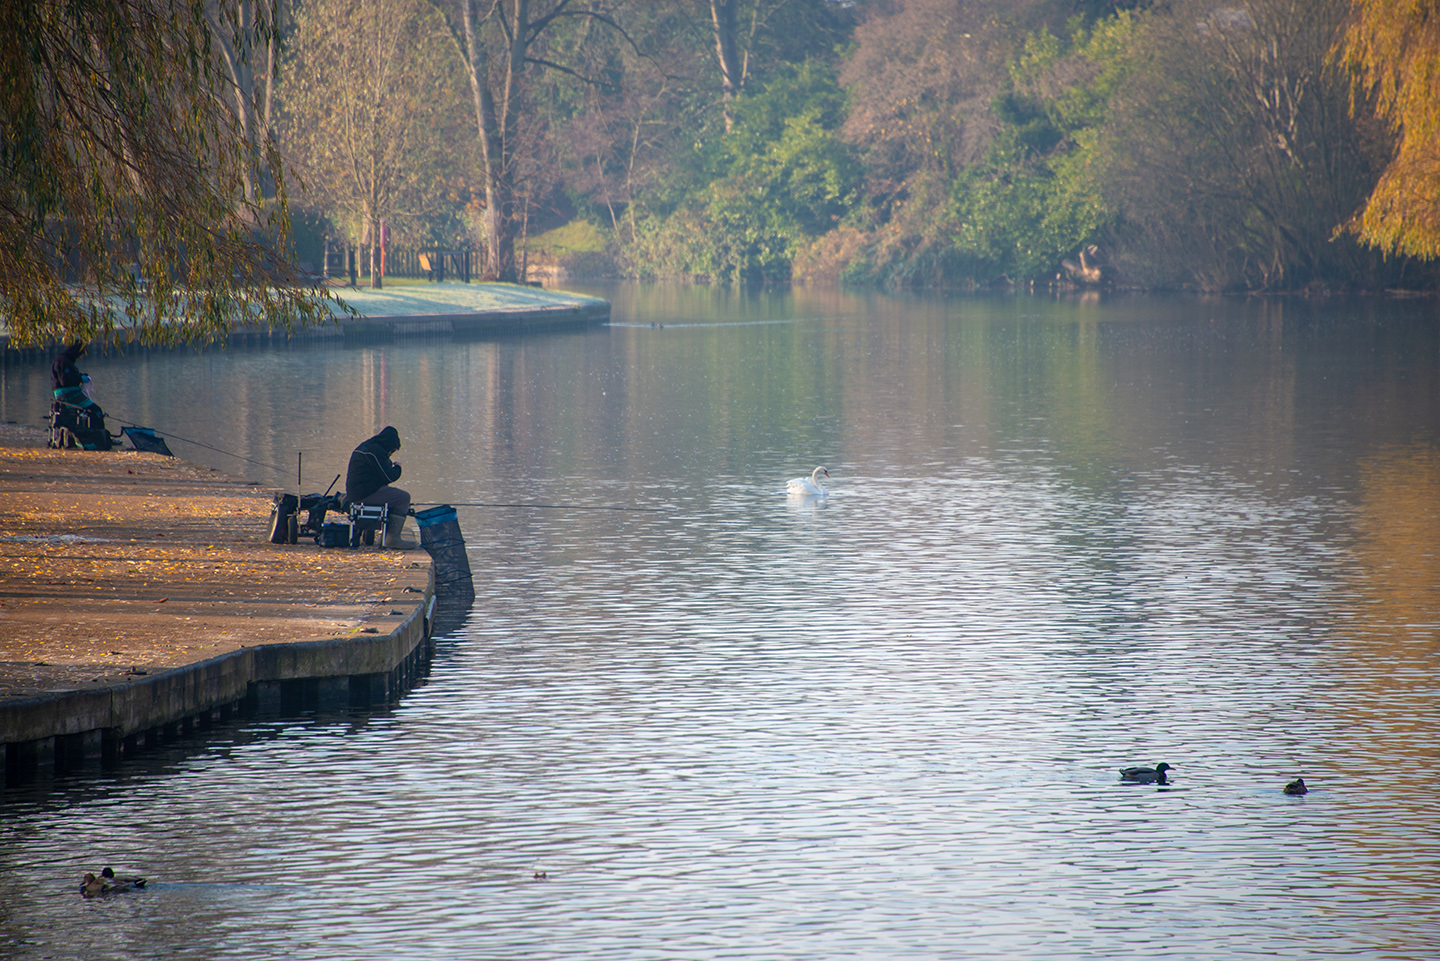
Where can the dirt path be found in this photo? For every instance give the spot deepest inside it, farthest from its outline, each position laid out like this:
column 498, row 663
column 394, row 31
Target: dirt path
column 114, row 563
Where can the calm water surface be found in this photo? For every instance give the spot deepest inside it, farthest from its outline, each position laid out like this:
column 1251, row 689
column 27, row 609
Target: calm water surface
column 1063, row 537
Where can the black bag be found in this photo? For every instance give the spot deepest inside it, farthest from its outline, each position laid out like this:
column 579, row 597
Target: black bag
column 78, row 427
column 85, row 438
column 280, row 515
column 314, row 507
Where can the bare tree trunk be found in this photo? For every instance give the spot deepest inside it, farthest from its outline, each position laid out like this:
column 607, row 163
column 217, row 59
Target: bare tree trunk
column 504, row 177
column 240, row 71
column 477, row 71
column 525, row 244
column 493, row 128
column 725, row 15
column 497, row 124
column 267, row 117
column 272, row 53
column 372, row 242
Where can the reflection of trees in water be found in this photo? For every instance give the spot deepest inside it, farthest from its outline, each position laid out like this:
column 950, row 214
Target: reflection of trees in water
column 1379, row 701
column 1399, row 554
column 1384, row 695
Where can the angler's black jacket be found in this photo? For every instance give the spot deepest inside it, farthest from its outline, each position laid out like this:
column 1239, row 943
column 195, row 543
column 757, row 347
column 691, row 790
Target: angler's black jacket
column 370, row 466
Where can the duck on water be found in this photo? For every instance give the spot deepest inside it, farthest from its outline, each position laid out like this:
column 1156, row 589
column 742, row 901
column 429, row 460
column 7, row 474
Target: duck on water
column 1145, row 775
column 108, row 883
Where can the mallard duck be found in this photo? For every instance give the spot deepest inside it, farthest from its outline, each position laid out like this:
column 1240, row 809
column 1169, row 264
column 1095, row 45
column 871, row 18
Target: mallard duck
column 1297, row 786
column 92, row 886
column 120, row 884
column 1145, row 775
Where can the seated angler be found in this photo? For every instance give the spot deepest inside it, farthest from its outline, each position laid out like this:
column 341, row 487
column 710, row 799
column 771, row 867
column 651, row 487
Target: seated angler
column 70, row 390
column 67, row 381
column 368, row 479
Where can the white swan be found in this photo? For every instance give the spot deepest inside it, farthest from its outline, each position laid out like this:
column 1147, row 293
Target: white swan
column 808, row 486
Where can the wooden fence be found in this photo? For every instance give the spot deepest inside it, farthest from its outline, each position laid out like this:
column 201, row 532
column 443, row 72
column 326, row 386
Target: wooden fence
column 429, row 263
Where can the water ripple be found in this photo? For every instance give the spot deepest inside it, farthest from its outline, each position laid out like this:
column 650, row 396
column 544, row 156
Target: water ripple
column 885, row 725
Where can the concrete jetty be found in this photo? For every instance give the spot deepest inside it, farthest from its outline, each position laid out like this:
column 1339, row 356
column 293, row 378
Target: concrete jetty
column 140, row 598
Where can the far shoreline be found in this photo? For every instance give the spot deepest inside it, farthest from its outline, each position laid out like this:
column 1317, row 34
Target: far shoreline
column 409, row 309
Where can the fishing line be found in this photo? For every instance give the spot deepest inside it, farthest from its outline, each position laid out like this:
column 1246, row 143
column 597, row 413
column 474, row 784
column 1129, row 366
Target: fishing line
column 281, row 470
column 184, row 440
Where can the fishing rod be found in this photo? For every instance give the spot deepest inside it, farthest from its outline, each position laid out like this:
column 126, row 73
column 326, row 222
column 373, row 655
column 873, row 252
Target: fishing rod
column 559, row 507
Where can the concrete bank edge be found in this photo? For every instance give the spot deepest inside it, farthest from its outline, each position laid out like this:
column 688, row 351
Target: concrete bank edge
column 461, row 323
column 121, row 710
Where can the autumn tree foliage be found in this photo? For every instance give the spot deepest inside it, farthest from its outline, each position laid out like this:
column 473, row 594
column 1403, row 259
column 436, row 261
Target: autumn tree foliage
column 752, row 36
column 368, row 91
column 500, row 45
column 1232, row 155
column 1393, row 47
column 780, row 177
column 620, row 142
column 750, row 164
column 1196, row 144
column 249, row 55
column 963, row 143
column 923, row 75
column 903, row 142
column 128, row 173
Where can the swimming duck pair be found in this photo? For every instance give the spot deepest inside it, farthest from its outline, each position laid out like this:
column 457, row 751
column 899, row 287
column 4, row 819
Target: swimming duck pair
column 1156, row 775
column 108, row 883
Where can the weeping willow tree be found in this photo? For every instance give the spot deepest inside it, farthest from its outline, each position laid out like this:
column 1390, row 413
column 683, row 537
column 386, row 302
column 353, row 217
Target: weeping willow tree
column 1393, row 46
column 128, row 186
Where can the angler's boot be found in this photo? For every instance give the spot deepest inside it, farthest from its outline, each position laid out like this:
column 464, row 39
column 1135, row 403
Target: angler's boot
column 394, row 534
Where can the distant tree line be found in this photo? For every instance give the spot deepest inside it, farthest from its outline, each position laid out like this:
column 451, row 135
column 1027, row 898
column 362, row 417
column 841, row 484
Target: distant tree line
column 1189, row 143
column 162, row 150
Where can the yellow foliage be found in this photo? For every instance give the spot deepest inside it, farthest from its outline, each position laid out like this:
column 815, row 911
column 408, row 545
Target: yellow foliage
column 1393, row 47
